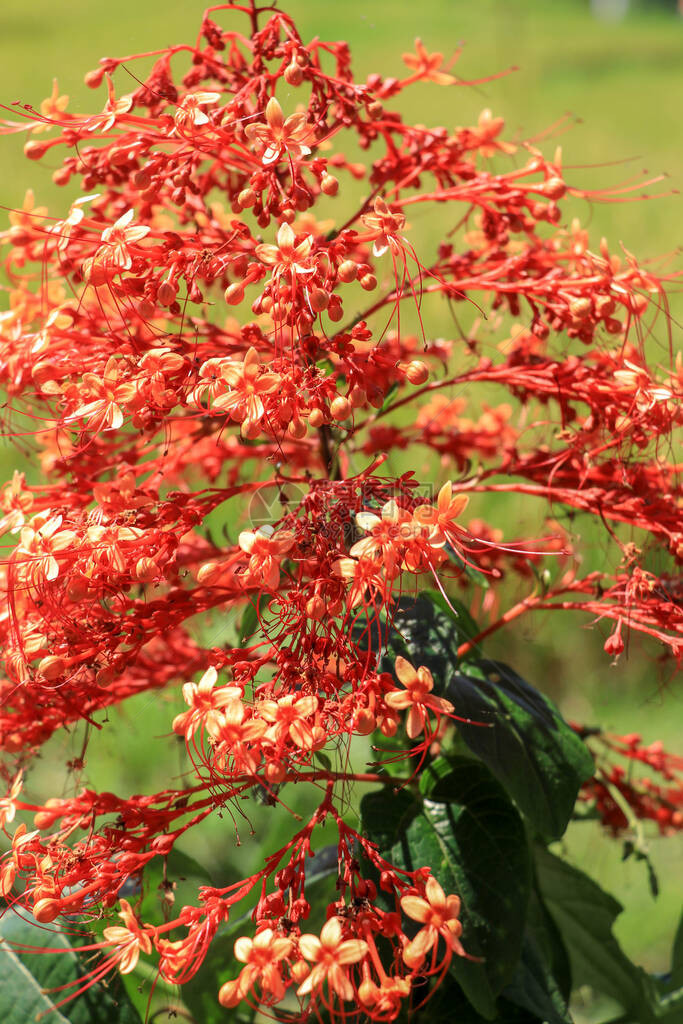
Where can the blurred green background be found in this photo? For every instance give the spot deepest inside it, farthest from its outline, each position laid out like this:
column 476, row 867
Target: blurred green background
column 621, row 84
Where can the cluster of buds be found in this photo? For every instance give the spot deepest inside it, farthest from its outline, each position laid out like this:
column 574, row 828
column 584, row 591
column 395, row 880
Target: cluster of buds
column 622, row 796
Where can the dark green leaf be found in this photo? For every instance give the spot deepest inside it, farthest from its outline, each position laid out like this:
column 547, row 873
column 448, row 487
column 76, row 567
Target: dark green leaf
column 524, row 740
column 423, row 634
column 448, row 1005
column 546, row 935
column 677, row 954
column 250, row 618
column 515, row 730
column 465, row 626
column 584, row 914
column 534, row 988
column 469, row 834
column 28, row 980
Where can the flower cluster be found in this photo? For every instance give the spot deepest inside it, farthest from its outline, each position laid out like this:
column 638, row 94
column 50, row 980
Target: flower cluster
column 200, row 332
column 622, row 797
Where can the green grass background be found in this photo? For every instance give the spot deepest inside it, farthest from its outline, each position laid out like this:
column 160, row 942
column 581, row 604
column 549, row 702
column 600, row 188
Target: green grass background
column 621, row 84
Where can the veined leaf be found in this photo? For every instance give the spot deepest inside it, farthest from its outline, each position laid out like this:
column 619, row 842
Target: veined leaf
column 584, row 914
column 534, row 988
column 521, row 736
column 31, row 984
column 469, row 834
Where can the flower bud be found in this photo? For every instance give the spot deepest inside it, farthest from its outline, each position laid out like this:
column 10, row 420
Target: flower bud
column 554, row 188
column 348, row 271
column 46, row 910
column 335, row 310
column 315, row 608
column 208, row 572
column 329, row 184
column 296, row 429
column 93, row 79
column 299, row 971
column 357, row 397
column 246, row 198
column 416, row 372
column 368, row 282
column 319, row 299
column 275, row 772
column 62, row 176
column 365, row 722
column 166, row 293
column 34, row 149
column 340, row 408
column 293, row 74
column 51, row 667
column 146, row 569
column 580, row 308
column 234, row 294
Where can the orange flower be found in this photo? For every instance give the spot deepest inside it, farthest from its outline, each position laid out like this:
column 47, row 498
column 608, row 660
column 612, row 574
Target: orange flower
column 190, row 114
column 386, row 223
column 204, row 702
column 266, row 550
column 388, row 532
column 280, row 136
column 646, row 391
column 129, row 941
column 484, row 135
column 40, row 541
column 114, row 254
column 290, row 718
column 52, row 107
column 426, row 65
column 106, row 394
column 263, row 956
column 365, row 575
column 286, row 256
column 111, row 110
column 16, row 500
column 417, row 696
column 330, row 954
column 246, row 386
column 439, row 915
column 442, row 518
column 236, row 737
column 8, row 806
column 385, row 999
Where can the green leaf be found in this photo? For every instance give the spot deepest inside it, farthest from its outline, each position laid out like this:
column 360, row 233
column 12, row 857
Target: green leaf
column 534, row 988
column 521, row 736
column 469, row 834
column 448, row 1005
column 546, row 935
column 250, row 619
column 170, row 883
column 517, row 732
column 423, row 634
column 466, row 627
column 584, row 914
column 28, row 980
column 677, row 954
